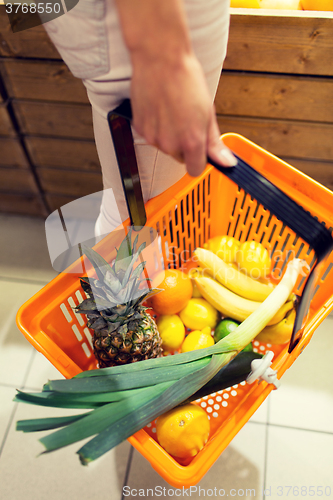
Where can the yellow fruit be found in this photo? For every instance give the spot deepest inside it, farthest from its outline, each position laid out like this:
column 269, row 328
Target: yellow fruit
column 195, row 294
column 253, row 259
column 176, row 291
column 230, row 304
column 172, row 331
column 279, row 333
column 229, row 276
column 225, row 247
column 199, row 313
column 246, row 4
column 183, row 431
column 198, row 339
column 280, row 4
column 317, row 4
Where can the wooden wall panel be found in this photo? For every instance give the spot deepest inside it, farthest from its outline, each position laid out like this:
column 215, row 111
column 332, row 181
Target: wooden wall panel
column 284, row 138
column 56, row 201
column 301, row 44
column 321, row 171
column 42, row 80
column 63, row 153
column 6, row 126
column 29, row 43
column 11, row 153
column 50, row 119
column 276, row 89
column 68, row 182
column 22, row 204
column 17, row 181
column 275, row 96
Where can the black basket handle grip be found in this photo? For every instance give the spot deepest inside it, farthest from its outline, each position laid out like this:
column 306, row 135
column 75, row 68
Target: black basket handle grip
column 274, row 200
column 121, row 132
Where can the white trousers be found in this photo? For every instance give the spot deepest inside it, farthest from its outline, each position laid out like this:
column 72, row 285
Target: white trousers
column 90, row 42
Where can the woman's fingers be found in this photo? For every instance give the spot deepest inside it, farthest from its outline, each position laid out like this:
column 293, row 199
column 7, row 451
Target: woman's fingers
column 216, row 150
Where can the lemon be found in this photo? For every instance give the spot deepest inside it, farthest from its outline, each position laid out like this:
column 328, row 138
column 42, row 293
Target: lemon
column 172, row 331
column 198, row 339
column 183, row 431
column 253, row 259
column 225, row 327
column 199, row 313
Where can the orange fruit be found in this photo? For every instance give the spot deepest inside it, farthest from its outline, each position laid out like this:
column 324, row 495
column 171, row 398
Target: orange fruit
column 177, row 291
column 317, row 4
column 183, row 431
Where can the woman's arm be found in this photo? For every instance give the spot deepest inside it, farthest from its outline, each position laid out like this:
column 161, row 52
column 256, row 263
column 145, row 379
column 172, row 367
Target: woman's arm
column 171, row 104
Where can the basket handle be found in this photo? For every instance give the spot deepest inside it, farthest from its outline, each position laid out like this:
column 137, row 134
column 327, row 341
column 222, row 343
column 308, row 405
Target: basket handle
column 121, row 132
column 253, row 182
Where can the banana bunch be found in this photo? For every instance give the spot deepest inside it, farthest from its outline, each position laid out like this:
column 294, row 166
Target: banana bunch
column 237, row 295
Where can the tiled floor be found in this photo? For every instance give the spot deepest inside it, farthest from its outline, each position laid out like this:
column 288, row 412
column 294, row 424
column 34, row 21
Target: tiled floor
column 285, row 449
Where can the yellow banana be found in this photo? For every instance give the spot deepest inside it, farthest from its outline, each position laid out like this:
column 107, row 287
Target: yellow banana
column 229, row 303
column 279, row 333
column 282, row 312
column 230, row 277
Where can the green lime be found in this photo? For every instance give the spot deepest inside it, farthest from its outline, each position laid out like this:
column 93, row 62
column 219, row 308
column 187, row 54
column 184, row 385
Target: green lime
column 225, row 327
column 248, row 348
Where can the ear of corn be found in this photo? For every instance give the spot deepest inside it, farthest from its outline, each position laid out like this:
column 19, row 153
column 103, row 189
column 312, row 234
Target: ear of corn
column 124, row 399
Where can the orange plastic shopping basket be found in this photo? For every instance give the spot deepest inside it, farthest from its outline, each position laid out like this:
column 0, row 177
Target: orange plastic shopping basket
column 185, row 216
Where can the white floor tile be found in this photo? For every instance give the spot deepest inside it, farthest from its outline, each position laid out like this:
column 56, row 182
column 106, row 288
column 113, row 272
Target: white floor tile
column 305, row 397
column 261, row 415
column 15, row 350
column 240, row 467
column 57, row 475
column 296, row 459
column 7, row 395
column 40, row 372
column 24, row 252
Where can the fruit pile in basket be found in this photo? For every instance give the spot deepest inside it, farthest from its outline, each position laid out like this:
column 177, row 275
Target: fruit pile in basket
column 209, row 302
column 124, row 395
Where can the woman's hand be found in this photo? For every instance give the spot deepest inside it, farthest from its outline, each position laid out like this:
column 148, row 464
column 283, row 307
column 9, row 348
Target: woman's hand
column 171, row 104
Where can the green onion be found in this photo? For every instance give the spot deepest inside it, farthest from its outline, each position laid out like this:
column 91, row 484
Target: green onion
column 124, row 399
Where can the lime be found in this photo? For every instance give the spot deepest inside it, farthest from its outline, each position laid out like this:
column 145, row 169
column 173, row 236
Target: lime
column 225, row 327
column 199, row 313
column 172, row 331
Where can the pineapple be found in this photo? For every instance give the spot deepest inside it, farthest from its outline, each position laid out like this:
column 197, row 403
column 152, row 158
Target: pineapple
column 124, row 332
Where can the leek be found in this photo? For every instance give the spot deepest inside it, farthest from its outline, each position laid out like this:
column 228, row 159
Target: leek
column 124, row 399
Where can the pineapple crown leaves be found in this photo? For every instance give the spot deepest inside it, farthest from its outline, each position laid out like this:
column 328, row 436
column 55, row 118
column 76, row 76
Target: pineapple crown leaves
column 117, row 283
